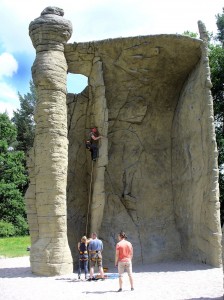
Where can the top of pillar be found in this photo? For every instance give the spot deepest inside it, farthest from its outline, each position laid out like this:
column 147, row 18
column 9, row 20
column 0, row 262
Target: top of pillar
column 50, row 30
column 202, row 31
column 53, row 10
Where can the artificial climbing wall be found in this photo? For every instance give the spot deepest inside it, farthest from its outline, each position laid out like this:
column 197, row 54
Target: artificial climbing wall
column 157, row 93
column 156, row 176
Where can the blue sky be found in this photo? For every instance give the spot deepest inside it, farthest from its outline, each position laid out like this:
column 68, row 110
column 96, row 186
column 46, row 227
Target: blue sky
column 92, row 20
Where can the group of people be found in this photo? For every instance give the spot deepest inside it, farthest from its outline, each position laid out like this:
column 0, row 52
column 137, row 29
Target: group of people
column 90, row 250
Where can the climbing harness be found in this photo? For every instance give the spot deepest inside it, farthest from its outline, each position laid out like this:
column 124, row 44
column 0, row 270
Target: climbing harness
column 96, row 256
column 83, row 255
column 88, row 145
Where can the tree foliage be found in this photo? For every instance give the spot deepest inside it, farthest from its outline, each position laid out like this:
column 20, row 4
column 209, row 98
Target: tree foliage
column 24, row 120
column 220, row 27
column 16, row 138
column 8, row 131
column 216, row 58
column 216, row 61
column 13, row 181
column 191, row 34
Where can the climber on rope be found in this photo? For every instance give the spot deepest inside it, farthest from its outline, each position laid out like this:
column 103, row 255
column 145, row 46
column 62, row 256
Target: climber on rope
column 92, row 144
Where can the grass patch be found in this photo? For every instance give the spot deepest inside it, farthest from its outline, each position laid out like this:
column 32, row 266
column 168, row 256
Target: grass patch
column 14, row 246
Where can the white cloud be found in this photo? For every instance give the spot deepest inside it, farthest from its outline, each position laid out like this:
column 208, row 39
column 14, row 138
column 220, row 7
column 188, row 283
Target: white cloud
column 96, row 20
column 8, row 95
column 8, row 65
column 8, row 108
column 8, row 98
column 7, row 92
column 101, row 19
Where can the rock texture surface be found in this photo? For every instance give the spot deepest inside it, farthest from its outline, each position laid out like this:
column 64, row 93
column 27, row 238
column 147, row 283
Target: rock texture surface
column 156, row 177
column 46, row 196
column 160, row 182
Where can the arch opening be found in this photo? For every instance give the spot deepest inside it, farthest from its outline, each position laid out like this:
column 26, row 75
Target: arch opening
column 76, row 83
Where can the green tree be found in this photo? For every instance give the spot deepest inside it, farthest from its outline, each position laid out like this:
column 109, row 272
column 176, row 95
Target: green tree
column 16, row 138
column 191, row 34
column 24, row 119
column 220, row 27
column 8, row 131
column 216, row 61
column 13, row 181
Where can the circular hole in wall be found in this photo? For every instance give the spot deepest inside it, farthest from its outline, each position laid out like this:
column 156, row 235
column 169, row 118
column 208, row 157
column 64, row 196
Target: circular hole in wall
column 76, row 83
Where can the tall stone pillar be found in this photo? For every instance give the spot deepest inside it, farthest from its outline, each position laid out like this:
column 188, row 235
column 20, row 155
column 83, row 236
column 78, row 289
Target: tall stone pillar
column 50, row 253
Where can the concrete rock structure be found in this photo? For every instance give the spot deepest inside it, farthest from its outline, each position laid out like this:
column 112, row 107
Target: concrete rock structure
column 156, row 177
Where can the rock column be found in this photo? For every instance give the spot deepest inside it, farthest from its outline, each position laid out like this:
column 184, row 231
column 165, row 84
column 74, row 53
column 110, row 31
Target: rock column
column 50, row 253
column 100, row 119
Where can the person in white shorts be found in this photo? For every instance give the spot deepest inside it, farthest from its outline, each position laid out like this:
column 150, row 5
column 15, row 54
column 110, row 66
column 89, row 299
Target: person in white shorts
column 123, row 259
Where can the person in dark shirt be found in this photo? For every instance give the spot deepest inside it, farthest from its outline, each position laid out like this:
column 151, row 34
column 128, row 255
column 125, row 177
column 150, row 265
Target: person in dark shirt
column 93, row 143
column 83, row 256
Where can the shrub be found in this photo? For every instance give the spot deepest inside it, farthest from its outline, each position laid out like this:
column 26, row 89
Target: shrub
column 21, row 227
column 6, row 229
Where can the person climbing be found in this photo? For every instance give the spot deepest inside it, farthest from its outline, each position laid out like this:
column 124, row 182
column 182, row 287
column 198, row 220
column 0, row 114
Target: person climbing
column 83, row 256
column 92, row 144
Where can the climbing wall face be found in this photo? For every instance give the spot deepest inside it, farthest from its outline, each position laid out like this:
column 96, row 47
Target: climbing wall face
column 195, row 169
column 46, row 201
column 86, row 189
column 145, row 81
column 156, row 177
column 78, row 170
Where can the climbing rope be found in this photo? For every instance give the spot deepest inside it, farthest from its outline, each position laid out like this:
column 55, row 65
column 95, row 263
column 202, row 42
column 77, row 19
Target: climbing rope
column 90, row 193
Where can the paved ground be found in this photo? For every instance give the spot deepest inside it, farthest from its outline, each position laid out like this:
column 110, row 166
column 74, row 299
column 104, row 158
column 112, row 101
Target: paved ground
column 171, row 281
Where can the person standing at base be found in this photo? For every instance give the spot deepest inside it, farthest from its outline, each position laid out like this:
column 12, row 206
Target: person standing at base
column 123, row 259
column 95, row 255
column 83, row 256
